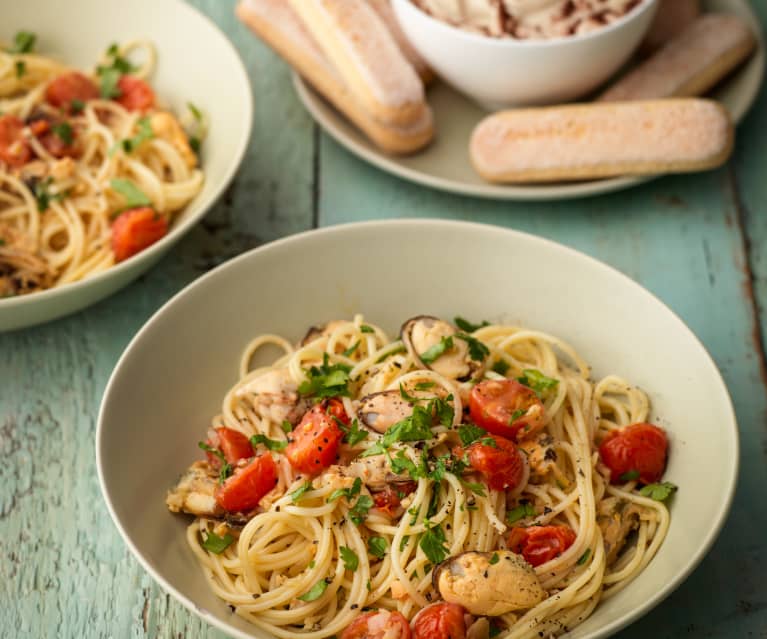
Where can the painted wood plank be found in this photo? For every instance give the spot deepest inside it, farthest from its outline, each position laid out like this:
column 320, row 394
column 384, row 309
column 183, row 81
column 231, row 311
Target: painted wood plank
column 64, row 570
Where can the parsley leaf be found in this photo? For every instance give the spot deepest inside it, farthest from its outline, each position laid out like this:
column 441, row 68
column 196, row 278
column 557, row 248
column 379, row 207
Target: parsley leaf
column 21, row 68
column 350, row 351
column 467, row 326
column 537, row 380
column 402, row 464
column 144, row 133
column 444, row 411
column 470, row 433
column 195, row 111
column 133, row 195
column 376, row 449
column 630, row 475
column 494, row 559
column 477, row 350
column 415, row 427
column 433, row 544
column 349, row 493
column 660, row 491
column 404, row 542
column 501, row 367
column 516, row 415
column 315, row 592
column 76, row 106
column 63, row 130
column 108, row 85
column 422, row 386
column 271, row 444
column 366, row 329
column 286, row 426
column 436, row 351
column 584, row 557
column 407, row 397
column 216, row 544
column 377, row 547
column 226, row 467
column 353, row 434
column 297, row 494
column 43, row 196
column 326, row 380
column 520, row 512
column 475, row 487
column 349, row 557
column 23, row 42
column 396, row 351
column 359, row 511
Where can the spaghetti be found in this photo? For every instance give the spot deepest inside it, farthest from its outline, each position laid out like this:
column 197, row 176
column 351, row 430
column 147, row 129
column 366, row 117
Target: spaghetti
column 429, row 505
column 92, row 170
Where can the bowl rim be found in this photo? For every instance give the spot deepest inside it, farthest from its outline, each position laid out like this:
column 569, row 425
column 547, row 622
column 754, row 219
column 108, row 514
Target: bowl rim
column 408, row 225
column 529, row 43
column 176, row 230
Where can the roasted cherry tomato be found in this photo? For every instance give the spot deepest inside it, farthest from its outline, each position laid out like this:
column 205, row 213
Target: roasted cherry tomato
column 135, row 229
column 501, row 465
column 245, row 488
column 388, row 500
column 314, row 442
column 335, row 408
column 232, row 443
column 539, row 544
column 440, row 621
column 506, row 408
column 135, row 94
column 71, row 87
column 378, row 624
column 14, row 149
column 638, row 448
column 58, row 143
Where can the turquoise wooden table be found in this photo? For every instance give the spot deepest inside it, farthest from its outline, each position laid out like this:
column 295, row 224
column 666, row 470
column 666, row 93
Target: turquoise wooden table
column 699, row 242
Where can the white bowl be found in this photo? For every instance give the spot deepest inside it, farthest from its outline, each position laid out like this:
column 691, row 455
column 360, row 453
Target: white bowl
column 172, row 377
column 195, row 62
column 499, row 73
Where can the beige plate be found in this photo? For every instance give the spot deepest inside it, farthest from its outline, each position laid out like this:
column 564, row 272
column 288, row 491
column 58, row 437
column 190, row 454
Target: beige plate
column 445, row 164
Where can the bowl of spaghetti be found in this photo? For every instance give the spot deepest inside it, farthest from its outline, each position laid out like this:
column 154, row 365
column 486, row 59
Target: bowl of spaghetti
column 451, row 452
column 112, row 145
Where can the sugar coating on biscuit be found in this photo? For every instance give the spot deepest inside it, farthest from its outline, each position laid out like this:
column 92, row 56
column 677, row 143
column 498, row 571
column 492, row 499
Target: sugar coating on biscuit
column 594, row 135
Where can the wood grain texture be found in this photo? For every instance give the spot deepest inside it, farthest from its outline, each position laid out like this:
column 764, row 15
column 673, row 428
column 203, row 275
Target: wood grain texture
column 698, row 242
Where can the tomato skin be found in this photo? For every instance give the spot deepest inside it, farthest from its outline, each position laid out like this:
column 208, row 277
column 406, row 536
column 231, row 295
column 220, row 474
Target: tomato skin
column 492, row 405
column 639, row 447
column 135, row 229
column 243, row 490
column 539, row 544
column 440, row 621
column 378, row 624
column 314, row 442
column 135, row 94
column 388, row 500
column 335, row 408
column 68, row 87
column 14, row 149
column 232, row 443
column 502, row 466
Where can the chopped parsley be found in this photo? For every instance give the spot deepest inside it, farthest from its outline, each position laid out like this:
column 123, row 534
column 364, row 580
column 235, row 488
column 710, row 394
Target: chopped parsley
column 469, row 327
column 23, row 42
column 286, row 426
column 349, row 557
column 470, row 433
column 432, row 543
column 63, row 130
column 501, row 367
column 359, row 511
column 630, row 475
column 271, row 444
column 316, row 591
column 494, row 559
column 495, row 629
column 226, row 467
column 537, row 380
column 436, row 351
column 520, row 512
column 584, row 557
column 76, row 106
column 144, row 133
column 407, row 397
column 440, row 468
column 660, row 491
column 353, row 434
column 109, row 75
column 395, row 351
column 377, row 547
column 516, row 415
column 349, row 493
column 21, row 68
column 475, row 487
column 326, row 380
column 350, row 351
column 312, row 564
column 401, row 464
column 421, row 386
column 297, row 494
column 404, row 542
column 366, row 329
column 133, row 195
column 43, row 196
column 196, row 113
column 477, row 350
column 216, row 544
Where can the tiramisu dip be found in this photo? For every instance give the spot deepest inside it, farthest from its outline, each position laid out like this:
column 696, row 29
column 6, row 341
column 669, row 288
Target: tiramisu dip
column 528, row 19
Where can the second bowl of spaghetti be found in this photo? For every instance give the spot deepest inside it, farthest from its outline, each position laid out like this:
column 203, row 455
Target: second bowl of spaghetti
column 454, row 452
column 112, row 144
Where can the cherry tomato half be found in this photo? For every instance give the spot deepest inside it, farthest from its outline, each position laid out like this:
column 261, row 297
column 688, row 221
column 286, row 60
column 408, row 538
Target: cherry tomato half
column 314, row 442
column 14, row 149
column 388, row 500
column 135, row 94
column 243, row 490
column 135, row 229
column 440, row 621
column 232, row 443
column 501, row 465
column 71, row 87
column 639, row 448
column 539, row 544
column 506, row 408
column 378, row 624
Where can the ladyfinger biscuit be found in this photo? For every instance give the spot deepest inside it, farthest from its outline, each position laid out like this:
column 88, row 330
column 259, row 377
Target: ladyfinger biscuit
column 386, row 13
column 275, row 22
column 360, row 47
column 586, row 141
column 671, row 18
column 690, row 64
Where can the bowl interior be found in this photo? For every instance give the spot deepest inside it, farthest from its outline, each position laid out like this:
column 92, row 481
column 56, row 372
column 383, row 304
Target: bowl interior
column 172, row 378
column 195, row 63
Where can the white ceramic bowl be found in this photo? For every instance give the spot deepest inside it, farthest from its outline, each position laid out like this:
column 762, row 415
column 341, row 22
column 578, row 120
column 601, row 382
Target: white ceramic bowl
column 499, row 73
column 195, row 62
column 172, row 377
